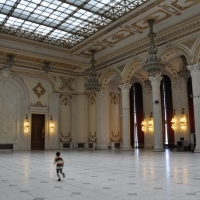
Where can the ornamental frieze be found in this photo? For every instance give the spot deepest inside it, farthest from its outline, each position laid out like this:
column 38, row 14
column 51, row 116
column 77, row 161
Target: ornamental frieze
column 39, row 90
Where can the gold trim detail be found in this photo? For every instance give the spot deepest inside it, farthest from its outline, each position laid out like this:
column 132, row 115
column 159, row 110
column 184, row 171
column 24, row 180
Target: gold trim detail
column 38, row 104
column 65, row 138
column 114, row 98
column 92, row 98
column 92, row 138
column 115, row 137
column 39, row 90
column 189, row 3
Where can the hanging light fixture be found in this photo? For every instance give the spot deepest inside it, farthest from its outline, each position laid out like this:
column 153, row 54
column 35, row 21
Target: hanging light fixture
column 153, row 63
column 150, row 123
column 26, row 124
column 51, row 124
column 143, row 124
column 92, row 82
column 183, row 121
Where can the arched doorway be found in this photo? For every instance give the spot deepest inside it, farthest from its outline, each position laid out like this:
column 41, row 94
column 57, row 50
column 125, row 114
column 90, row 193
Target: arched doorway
column 136, row 115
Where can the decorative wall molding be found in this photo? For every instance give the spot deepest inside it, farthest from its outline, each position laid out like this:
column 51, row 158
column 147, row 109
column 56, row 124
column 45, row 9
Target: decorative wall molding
column 115, row 137
column 92, row 98
column 65, row 100
column 115, row 98
column 66, row 83
column 38, row 104
column 65, row 138
column 39, row 90
column 92, row 138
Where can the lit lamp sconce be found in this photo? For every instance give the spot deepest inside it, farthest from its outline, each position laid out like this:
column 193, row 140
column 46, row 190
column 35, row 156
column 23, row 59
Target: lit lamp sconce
column 150, row 123
column 173, row 121
column 143, row 124
column 26, row 124
column 183, row 121
column 51, row 124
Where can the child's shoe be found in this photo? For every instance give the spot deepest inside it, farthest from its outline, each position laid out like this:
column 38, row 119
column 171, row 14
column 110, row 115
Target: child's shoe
column 59, row 179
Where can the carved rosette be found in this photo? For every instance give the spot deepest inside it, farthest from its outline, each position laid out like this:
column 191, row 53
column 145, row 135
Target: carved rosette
column 65, row 100
column 65, row 138
column 92, row 98
column 115, row 97
column 66, row 83
column 92, row 138
column 194, row 69
column 39, row 90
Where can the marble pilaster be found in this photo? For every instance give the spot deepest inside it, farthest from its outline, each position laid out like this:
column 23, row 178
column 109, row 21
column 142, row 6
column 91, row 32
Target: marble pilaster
column 101, row 119
column 126, row 144
column 195, row 74
column 157, row 113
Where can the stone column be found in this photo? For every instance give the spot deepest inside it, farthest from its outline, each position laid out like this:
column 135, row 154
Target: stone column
column 74, row 135
column 157, row 114
column 195, row 74
column 101, row 120
column 126, row 144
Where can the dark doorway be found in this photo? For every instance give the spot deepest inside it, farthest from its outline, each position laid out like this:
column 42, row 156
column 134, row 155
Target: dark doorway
column 37, row 132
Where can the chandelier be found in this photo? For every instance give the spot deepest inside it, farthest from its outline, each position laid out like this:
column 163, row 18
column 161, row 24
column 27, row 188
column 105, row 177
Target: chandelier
column 153, row 63
column 92, row 82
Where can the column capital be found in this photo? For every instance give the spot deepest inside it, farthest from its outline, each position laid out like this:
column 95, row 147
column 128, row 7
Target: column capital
column 155, row 79
column 176, row 85
column 194, row 69
column 125, row 87
column 101, row 93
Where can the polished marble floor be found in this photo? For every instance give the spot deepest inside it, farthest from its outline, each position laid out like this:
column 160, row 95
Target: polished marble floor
column 100, row 175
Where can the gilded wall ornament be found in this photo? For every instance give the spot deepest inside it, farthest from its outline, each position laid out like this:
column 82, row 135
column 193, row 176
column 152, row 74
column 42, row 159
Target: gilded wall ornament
column 66, row 83
column 65, row 100
column 92, row 138
column 92, row 98
column 39, row 90
column 115, row 98
column 65, row 138
column 38, row 104
column 115, row 137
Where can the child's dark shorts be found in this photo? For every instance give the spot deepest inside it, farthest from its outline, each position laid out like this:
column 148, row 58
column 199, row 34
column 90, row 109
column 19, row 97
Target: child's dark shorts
column 59, row 170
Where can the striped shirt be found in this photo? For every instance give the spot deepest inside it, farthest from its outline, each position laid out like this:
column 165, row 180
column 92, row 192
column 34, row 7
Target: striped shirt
column 59, row 162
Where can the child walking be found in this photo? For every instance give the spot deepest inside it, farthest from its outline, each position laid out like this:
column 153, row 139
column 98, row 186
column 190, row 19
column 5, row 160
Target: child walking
column 60, row 164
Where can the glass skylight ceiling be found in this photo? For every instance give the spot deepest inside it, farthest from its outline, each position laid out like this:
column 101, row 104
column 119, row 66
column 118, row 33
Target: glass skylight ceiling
column 60, row 22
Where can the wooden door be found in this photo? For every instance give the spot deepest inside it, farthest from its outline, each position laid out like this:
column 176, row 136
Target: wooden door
column 37, row 132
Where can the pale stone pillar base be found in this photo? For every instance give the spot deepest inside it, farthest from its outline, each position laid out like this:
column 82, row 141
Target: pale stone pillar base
column 159, row 149
column 197, row 149
column 102, row 147
column 126, row 148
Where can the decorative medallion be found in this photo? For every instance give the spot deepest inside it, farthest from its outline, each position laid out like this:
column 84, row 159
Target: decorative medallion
column 65, row 138
column 39, row 90
column 114, row 98
column 65, row 100
column 38, row 104
column 92, row 138
column 92, row 98
column 66, row 83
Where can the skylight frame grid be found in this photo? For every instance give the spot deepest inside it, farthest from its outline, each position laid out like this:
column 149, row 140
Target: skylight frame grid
column 78, row 19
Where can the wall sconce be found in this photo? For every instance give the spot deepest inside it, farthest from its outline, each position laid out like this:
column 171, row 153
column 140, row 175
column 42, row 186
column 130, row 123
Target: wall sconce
column 51, row 124
column 143, row 124
column 183, row 121
column 173, row 121
column 150, row 123
column 26, row 124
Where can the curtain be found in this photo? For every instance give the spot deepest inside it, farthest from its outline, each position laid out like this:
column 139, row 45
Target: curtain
column 132, row 115
column 139, row 113
column 167, row 109
column 190, row 105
